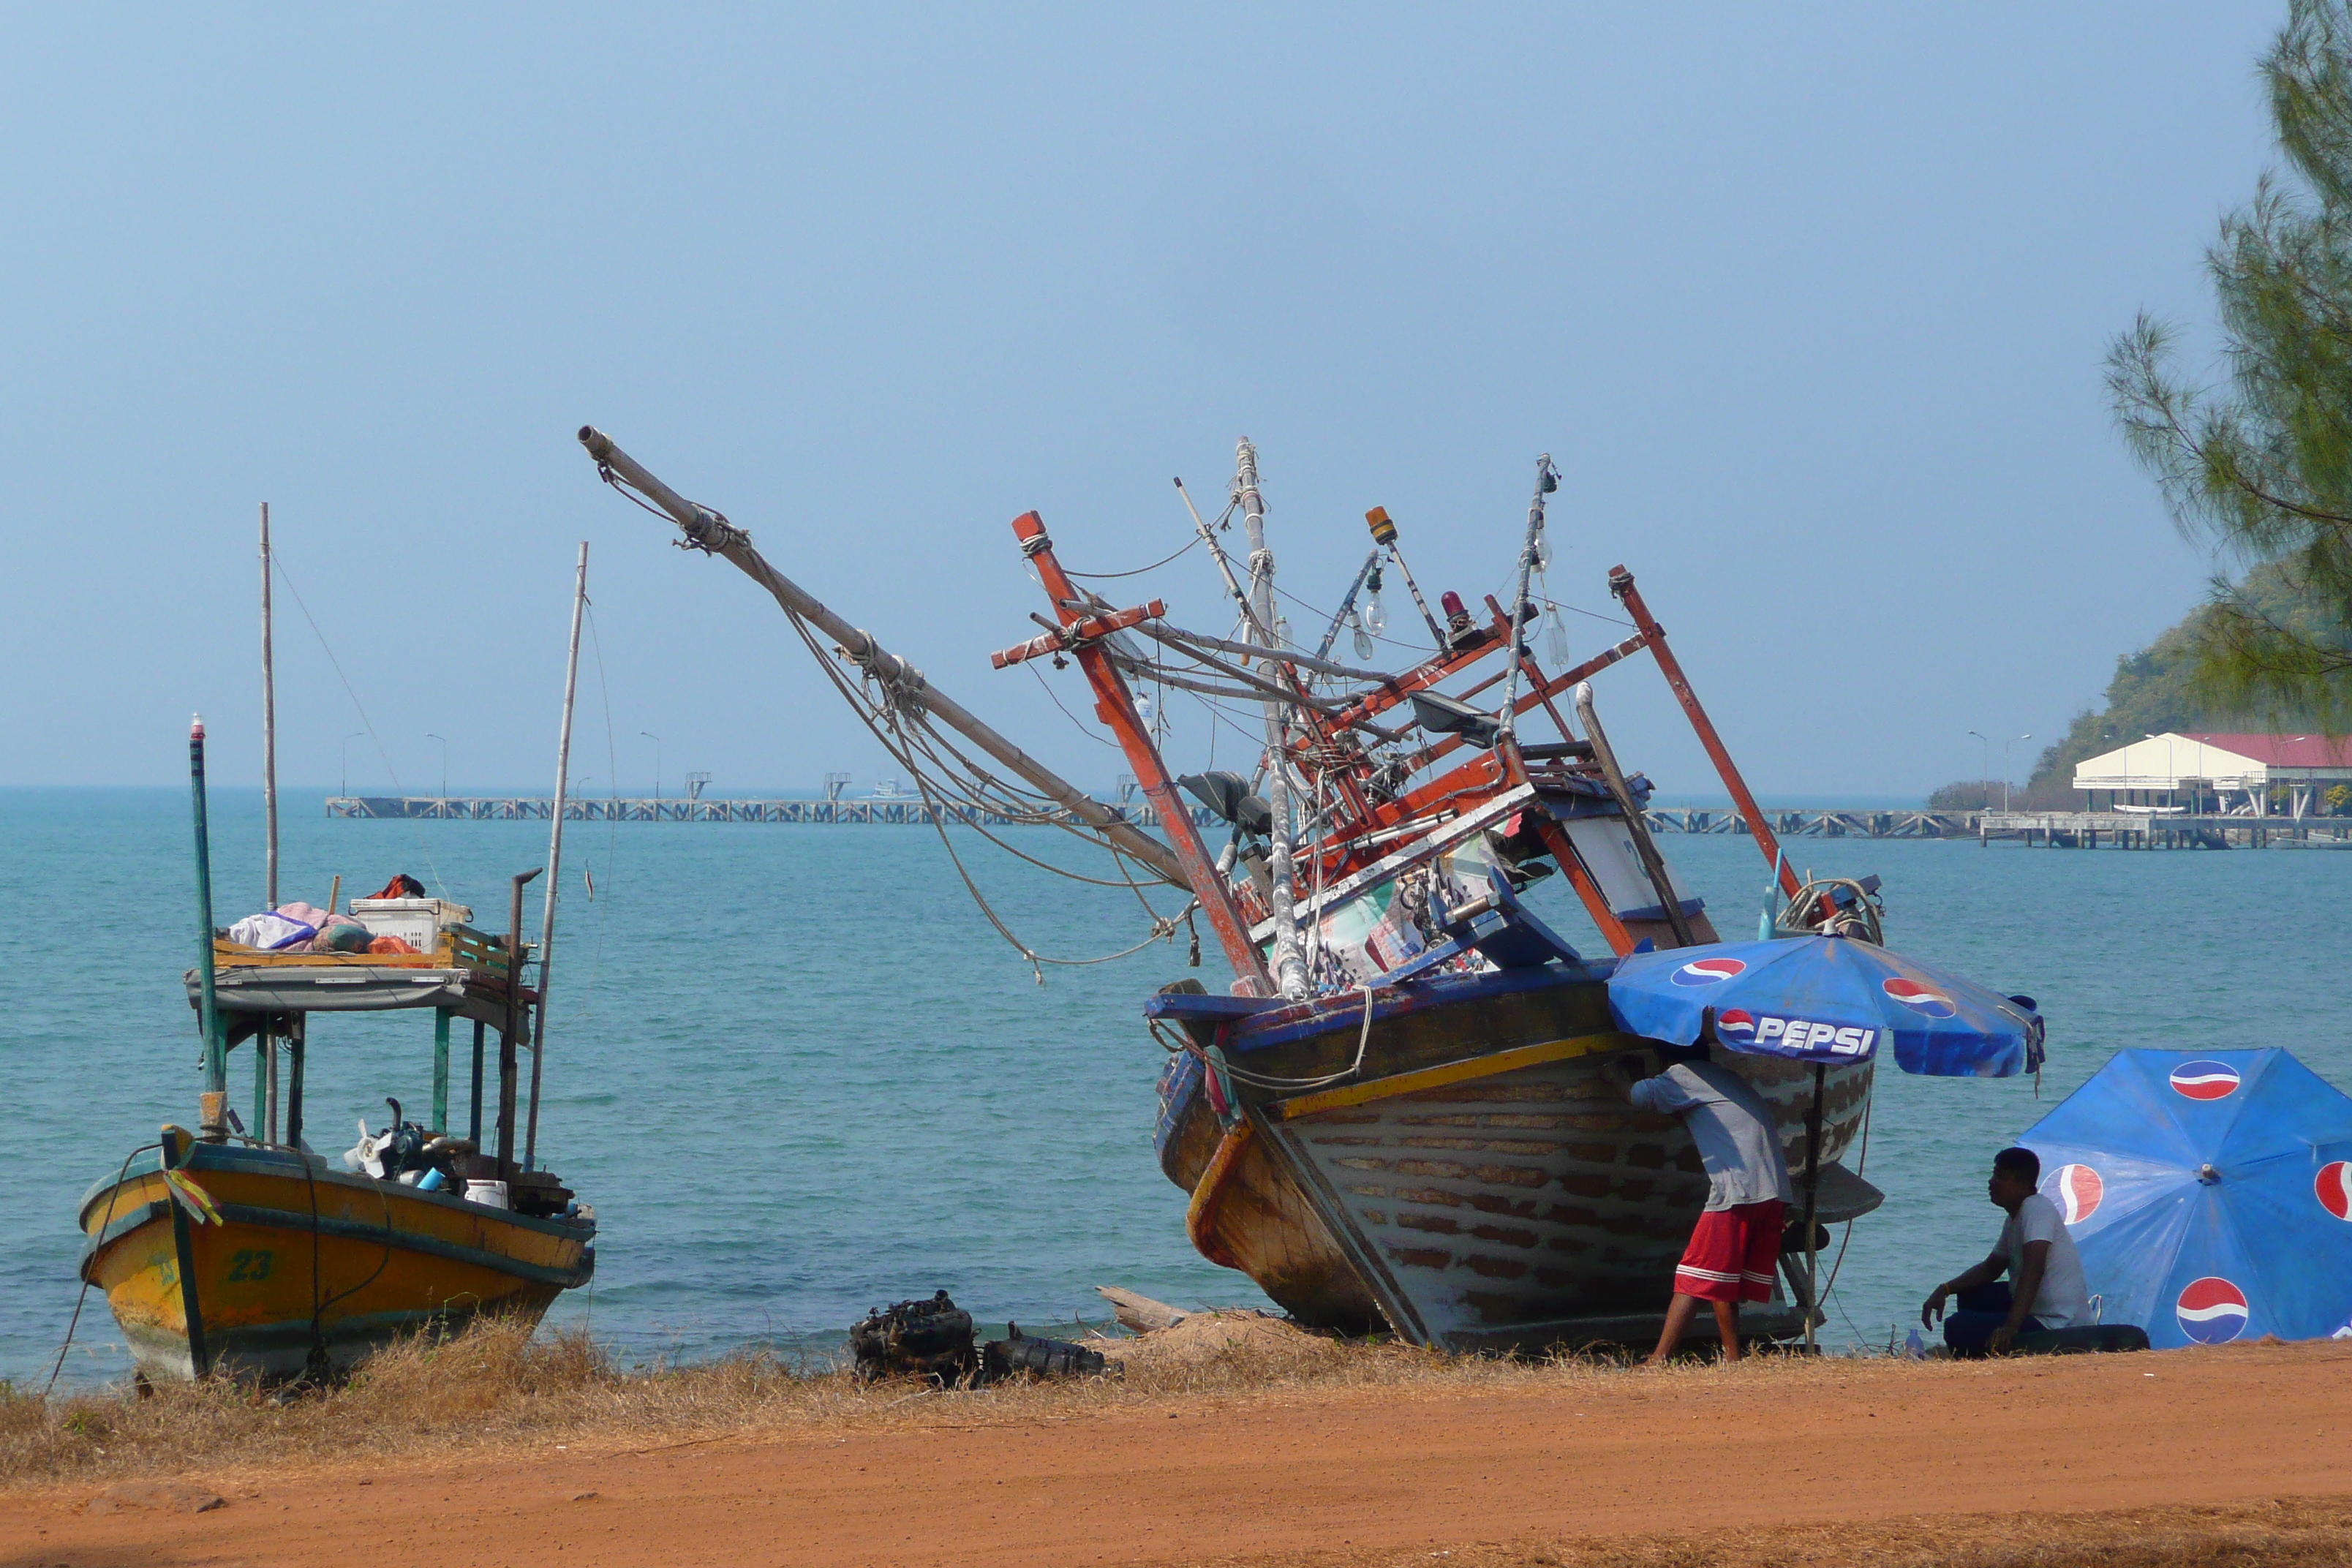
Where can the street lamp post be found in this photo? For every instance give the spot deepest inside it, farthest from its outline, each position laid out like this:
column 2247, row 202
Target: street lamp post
column 345, row 769
column 649, row 735
column 2004, row 767
column 444, row 767
column 1986, row 775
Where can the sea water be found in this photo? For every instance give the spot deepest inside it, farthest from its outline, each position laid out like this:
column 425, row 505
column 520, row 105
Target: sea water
column 799, row 1075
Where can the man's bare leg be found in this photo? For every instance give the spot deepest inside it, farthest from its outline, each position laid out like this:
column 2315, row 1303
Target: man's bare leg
column 1727, row 1323
column 1679, row 1314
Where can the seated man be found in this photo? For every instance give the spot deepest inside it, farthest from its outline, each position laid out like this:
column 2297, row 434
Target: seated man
column 1737, row 1242
column 2045, row 1273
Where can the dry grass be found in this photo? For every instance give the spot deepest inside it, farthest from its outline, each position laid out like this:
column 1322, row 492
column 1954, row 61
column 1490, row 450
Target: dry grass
column 495, row 1383
column 2287, row 1532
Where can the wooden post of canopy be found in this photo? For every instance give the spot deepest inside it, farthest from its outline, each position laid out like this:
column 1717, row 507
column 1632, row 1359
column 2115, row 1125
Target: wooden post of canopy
column 440, row 1122
column 509, row 1037
column 1116, row 707
column 296, row 1034
column 474, row 1117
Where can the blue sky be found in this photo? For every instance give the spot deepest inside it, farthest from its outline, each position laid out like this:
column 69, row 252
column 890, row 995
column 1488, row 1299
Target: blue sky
column 1808, row 303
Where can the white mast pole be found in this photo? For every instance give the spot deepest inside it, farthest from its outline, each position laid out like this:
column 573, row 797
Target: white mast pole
column 1288, row 966
column 265, row 1043
column 554, row 860
column 269, row 726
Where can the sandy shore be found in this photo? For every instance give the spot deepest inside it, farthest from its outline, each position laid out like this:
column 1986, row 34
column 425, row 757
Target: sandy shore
column 1341, row 1475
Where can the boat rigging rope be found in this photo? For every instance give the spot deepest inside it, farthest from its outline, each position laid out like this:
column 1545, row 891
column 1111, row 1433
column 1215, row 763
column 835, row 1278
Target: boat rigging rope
column 319, row 1364
column 960, row 789
column 1106, row 577
column 1046, row 687
column 104, row 1220
column 1861, row 1159
column 1363, row 1040
column 277, row 562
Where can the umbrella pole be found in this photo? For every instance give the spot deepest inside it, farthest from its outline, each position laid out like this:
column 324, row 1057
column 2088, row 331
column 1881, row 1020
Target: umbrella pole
column 1812, row 1196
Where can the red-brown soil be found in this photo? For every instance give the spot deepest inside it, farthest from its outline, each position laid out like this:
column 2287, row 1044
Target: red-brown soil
column 1338, row 1475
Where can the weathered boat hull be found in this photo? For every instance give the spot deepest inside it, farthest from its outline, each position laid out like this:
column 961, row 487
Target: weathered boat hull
column 1470, row 1196
column 306, row 1266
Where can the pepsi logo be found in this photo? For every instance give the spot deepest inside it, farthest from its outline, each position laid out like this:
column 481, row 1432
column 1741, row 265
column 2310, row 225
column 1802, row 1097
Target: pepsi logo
column 2205, row 1080
column 2333, row 1188
column 1708, row 971
column 1924, row 1000
column 2076, row 1190
column 1735, row 1024
column 2211, row 1310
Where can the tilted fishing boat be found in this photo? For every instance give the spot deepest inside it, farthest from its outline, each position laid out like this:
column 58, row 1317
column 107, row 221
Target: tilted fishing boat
column 1397, row 1111
column 236, row 1249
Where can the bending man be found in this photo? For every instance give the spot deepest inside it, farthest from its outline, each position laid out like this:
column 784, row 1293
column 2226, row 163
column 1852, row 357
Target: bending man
column 1737, row 1244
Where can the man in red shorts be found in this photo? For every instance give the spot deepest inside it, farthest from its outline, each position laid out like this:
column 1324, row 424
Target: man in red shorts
column 1737, row 1245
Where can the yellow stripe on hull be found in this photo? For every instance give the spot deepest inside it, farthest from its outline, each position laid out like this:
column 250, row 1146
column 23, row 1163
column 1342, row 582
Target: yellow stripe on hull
column 273, row 1290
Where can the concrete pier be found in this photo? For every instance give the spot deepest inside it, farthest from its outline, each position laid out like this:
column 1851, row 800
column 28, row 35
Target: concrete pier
column 908, row 811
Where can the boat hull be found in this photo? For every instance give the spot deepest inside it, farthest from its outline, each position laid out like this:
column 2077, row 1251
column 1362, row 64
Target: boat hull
column 267, row 1291
column 1480, row 1183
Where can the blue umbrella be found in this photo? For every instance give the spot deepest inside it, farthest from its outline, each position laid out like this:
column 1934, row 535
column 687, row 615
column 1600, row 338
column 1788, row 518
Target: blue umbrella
column 2209, row 1192
column 1825, row 999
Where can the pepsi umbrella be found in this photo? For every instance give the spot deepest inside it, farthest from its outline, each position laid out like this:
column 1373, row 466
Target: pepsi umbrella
column 2209, row 1194
column 1825, row 999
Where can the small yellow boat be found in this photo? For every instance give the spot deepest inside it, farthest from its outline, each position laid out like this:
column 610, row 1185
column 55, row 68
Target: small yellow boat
column 235, row 1251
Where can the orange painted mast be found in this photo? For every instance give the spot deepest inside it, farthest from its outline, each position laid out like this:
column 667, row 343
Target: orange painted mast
column 1081, row 637
column 1654, row 635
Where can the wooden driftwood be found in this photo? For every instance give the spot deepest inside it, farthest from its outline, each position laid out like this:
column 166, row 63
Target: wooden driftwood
column 1141, row 1313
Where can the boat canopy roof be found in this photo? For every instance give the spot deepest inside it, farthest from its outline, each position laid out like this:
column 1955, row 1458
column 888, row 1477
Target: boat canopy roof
column 355, row 988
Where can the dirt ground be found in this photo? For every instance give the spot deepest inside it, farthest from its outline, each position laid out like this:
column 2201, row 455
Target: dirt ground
column 2230, row 1455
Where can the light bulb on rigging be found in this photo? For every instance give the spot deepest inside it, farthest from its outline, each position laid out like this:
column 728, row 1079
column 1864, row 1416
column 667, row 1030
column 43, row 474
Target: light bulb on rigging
column 1374, row 615
column 1543, row 551
column 1364, row 648
column 1556, row 633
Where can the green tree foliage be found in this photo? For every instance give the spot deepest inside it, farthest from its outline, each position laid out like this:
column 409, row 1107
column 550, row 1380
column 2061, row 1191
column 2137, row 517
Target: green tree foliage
column 2265, row 472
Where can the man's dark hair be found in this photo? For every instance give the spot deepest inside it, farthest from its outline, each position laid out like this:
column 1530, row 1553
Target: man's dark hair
column 2022, row 1162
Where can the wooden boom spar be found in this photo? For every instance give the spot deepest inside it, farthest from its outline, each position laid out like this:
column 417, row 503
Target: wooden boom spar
column 710, row 531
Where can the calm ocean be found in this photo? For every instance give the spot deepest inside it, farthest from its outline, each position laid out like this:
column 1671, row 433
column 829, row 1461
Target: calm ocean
column 799, row 1076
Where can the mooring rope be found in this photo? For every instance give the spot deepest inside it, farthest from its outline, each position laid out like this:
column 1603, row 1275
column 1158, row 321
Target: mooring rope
column 107, row 1219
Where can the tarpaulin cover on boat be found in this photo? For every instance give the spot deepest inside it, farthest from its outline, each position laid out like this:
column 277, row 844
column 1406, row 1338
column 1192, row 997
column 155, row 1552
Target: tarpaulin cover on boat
column 2209, row 1192
column 1825, row 998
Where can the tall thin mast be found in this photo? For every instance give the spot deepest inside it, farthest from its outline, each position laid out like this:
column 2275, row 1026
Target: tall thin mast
column 554, row 862
column 1289, row 967
column 265, row 1043
column 707, row 530
column 212, row 1120
column 269, row 731
column 1547, row 481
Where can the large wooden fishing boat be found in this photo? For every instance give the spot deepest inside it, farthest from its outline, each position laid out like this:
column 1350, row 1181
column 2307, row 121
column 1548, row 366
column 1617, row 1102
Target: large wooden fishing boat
column 1397, row 1111
column 238, row 1251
